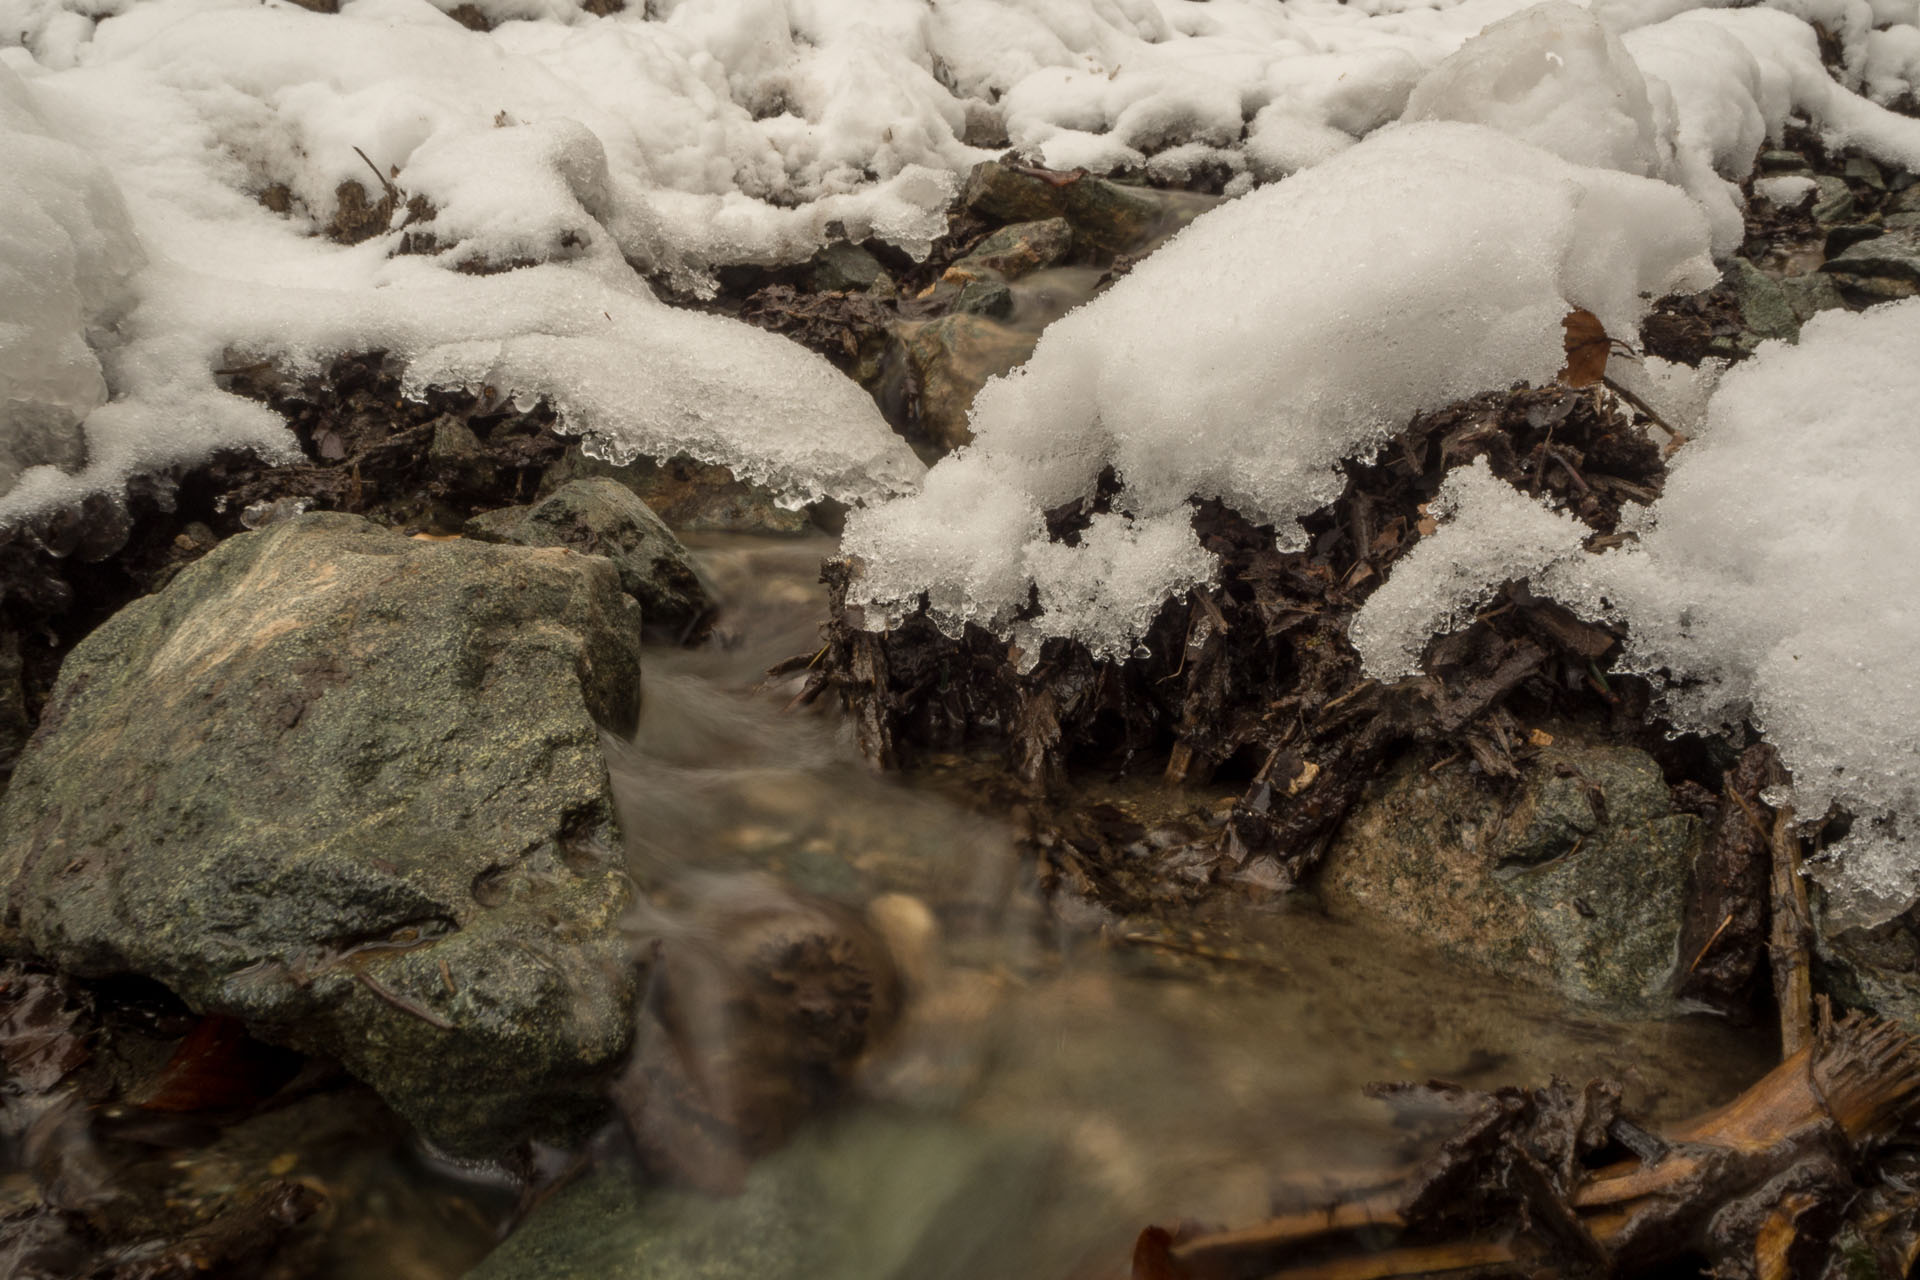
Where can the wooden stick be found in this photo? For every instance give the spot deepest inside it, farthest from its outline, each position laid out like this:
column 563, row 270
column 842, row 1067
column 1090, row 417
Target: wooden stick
column 1788, row 946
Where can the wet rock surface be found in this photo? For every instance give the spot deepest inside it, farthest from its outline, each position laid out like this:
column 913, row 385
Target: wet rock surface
column 348, row 786
column 752, row 1030
column 1877, row 968
column 1577, row 880
column 600, row 517
column 872, row 1198
column 952, row 358
column 687, row 496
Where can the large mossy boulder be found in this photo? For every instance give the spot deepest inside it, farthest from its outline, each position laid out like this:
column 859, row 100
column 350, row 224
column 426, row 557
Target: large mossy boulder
column 1575, row 880
column 349, row 786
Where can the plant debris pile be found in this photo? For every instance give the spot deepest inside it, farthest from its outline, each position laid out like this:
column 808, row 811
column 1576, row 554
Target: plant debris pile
column 1254, row 679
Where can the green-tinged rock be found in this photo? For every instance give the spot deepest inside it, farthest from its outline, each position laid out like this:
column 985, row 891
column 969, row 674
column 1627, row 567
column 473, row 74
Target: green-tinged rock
column 1844, row 236
column 1021, row 248
column 1782, row 162
column 1883, row 268
column 1905, row 200
column 689, row 496
column 869, row 1198
column 1764, row 304
column 1834, row 201
column 348, row 786
column 1877, row 968
column 845, row 268
column 1115, row 217
column 1578, row 883
column 1865, row 172
column 1105, row 214
column 601, row 517
column 1012, row 194
column 952, row 358
column 1811, row 294
column 986, row 297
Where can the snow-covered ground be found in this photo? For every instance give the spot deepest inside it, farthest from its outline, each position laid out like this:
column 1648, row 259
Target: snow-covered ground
column 1427, row 189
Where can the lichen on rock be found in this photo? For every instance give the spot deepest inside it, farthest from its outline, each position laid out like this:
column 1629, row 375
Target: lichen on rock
column 349, row 786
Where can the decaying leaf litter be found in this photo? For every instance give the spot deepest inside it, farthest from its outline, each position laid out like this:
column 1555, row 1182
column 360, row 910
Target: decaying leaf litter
column 1291, row 758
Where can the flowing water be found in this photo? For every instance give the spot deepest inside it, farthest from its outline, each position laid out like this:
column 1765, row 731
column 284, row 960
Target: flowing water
column 1050, row 1091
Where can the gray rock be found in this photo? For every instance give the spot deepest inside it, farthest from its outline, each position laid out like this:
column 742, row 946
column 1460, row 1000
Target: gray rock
column 600, row 517
column 870, row 1198
column 1105, row 214
column 348, row 786
column 987, row 297
column 1876, row 969
column 454, row 441
column 1883, row 268
column 689, row 496
column 1782, row 162
column 845, row 268
column 1579, row 883
column 952, row 358
column 1024, row 247
column 1833, row 202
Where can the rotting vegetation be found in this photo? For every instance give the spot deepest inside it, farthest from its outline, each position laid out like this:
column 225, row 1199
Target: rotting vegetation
column 1252, row 687
column 1254, row 679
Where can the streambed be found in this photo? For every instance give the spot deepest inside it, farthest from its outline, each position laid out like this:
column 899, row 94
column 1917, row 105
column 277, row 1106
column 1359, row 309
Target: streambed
column 1054, row 1086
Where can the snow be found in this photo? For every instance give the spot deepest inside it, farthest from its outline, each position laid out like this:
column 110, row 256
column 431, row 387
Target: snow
column 1493, row 533
column 1785, row 191
column 1774, row 582
column 67, row 249
column 1443, row 181
column 1276, row 336
column 1778, row 578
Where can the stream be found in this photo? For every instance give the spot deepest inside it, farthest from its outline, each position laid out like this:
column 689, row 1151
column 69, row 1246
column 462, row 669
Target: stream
column 1051, row 1089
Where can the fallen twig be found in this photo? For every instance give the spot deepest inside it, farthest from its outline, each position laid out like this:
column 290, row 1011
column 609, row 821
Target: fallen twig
column 1513, row 1192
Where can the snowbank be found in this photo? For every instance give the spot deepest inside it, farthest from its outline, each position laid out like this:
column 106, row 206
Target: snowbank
column 1274, row 338
column 1774, row 581
column 677, row 136
column 67, row 249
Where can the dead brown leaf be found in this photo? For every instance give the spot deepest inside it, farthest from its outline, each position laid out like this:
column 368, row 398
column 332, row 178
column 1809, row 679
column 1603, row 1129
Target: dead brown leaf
column 1587, row 347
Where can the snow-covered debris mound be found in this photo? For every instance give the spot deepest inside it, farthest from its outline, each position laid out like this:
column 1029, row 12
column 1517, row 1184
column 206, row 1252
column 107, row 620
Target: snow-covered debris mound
column 1774, row 581
column 1780, row 579
column 1493, row 533
column 199, row 109
column 1272, row 339
column 66, row 251
column 681, row 135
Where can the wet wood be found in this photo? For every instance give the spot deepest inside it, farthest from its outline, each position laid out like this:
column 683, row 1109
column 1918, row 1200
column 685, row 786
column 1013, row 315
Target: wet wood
column 1526, row 1188
column 1789, row 945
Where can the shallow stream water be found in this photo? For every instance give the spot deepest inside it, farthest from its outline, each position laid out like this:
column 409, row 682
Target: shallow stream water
column 1051, row 1090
